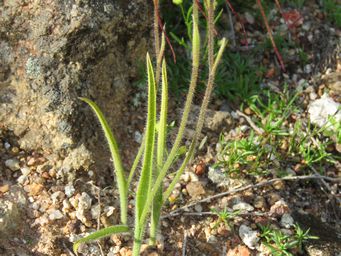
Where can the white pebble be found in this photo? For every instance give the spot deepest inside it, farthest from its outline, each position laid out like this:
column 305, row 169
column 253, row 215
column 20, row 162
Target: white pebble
column 55, row 215
column 25, row 171
column 242, row 206
column 69, row 190
column 7, row 145
column 313, row 96
column 57, row 197
column 22, row 179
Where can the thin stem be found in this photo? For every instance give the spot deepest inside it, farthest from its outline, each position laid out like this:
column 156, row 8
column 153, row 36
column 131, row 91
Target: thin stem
column 156, row 29
column 136, row 162
column 279, row 57
column 172, row 155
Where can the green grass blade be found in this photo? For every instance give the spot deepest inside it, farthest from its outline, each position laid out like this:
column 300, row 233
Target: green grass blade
column 162, row 134
column 145, row 182
column 119, row 170
column 144, row 186
column 100, row 234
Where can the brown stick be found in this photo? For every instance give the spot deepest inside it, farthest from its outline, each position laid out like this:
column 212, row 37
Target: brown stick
column 261, row 184
column 279, row 57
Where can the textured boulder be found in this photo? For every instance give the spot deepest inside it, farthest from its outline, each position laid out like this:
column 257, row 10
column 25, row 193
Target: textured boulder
column 52, row 52
column 12, row 211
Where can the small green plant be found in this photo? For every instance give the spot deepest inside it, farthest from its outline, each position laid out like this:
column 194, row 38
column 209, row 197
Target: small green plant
column 333, row 11
column 224, row 216
column 281, row 244
column 150, row 195
column 334, row 129
column 311, row 144
column 242, row 155
column 238, row 78
column 273, row 109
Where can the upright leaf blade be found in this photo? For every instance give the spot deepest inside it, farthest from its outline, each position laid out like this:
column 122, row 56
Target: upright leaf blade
column 145, row 182
column 162, row 134
column 121, row 180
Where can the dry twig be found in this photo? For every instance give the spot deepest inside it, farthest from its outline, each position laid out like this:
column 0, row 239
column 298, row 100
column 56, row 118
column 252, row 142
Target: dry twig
column 253, row 186
column 258, row 130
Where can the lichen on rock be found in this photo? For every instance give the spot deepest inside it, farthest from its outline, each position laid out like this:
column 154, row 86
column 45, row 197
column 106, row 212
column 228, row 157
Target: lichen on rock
column 55, row 51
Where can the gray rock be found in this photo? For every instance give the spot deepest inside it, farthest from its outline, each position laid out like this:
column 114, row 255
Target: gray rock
column 57, row 197
column 12, row 164
column 25, row 171
column 53, row 52
column 221, row 179
column 83, row 208
column 248, row 236
column 218, row 177
column 286, row 220
column 12, row 207
column 84, row 202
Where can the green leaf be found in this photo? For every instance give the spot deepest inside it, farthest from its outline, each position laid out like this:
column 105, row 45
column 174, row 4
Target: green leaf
column 121, row 180
column 145, row 182
column 144, row 186
column 100, row 234
column 161, row 142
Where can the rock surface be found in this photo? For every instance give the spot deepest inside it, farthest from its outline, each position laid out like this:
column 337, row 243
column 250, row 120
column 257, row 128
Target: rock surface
column 12, row 211
column 52, row 52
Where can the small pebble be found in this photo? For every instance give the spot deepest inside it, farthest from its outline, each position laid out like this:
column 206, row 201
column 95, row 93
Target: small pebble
column 249, row 237
column 69, row 190
column 287, row 221
column 57, row 197
column 56, row 215
column 15, row 150
column 195, row 189
column 259, row 202
column 313, row 96
column 198, row 208
column 7, row 145
column 12, row 164
column 249, row 18
column 31, row 161
column 242, row 206
column 25, row 171
column 34, row 189
column 22, row 179
column 4, row 188
column 212, row 239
